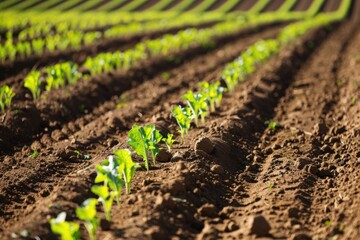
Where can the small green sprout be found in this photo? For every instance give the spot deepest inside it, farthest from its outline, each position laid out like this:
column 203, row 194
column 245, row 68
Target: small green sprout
column 183, row 117
column 353, row 101
column 273, row 125
column 87, row 213
column 34, row 154
column 109, row 173
column 105, row 197
column 340, row 81
column 143, row 140
column 165, row 75
column 341, row 228
column 213, row 93
column 328, row 223
column 169, row 141
column 122, row 101
column 67, row 230
column 357, row 58
column 6, row 96
column 197, row 104
column 128, row 167
column 271, row 185
column 32, row 82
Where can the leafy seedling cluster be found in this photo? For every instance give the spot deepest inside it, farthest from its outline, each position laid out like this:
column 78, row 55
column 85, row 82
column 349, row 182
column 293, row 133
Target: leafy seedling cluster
column 6, row 96
column 113, row 174
column 237, row 70
column 273, row 125
column 144, row 140
column 169, row 141
column 199, row 104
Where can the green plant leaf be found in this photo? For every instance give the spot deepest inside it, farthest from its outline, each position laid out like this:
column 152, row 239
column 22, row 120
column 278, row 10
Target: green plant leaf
column 137, row 140
column 32, row 82
column 6, row 96
column 129, row 166
column 87, row 210
column 67, row 230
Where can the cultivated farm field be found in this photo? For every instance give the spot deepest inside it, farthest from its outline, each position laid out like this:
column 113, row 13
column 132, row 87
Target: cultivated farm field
column 179, row 119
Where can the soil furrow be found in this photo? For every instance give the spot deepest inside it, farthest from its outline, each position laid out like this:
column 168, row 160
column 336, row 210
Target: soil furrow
column 255, row 188
column 196, row 70
column 339, row 208
column 278, row 189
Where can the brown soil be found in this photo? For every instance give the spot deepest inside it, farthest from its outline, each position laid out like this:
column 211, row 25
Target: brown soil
column 75, row 5
column 273, row 6
column 330, row 6
column 146, row 5
column 100, row 4
column 193, row 4
column 11, row 5
column 33, row 5
column 233, row 178
column 216, row 5
column 172, row 4
column 121, row 5
column 243, row 6
column 302, row 5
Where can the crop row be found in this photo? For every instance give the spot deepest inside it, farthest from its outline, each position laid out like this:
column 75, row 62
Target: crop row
column 65, row 33
column 45, row 28
column 77, row 39
column 69, row 73
column 42, row 23
column 31, row 24
column 118, row 170
column 121, row 5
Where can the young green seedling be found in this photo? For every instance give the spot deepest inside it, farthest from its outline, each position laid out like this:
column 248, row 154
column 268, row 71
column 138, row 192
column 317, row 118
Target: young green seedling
column 35, row 154
column 105, row 197
column 273, row 125
column 143, row 140
column 67, row 230
column 54, row 77
column 213, row 93
column 32, row 82
column 154, row 140
column 169, row 141
column 87, row 213
column 183, row 117
column 197, row 104
column 6, row 96
column 231, row 75
column 128, row 166
column 61, row 74
column 109, row 173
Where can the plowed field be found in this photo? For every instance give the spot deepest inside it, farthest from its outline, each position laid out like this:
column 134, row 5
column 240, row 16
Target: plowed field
column 233, row 177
